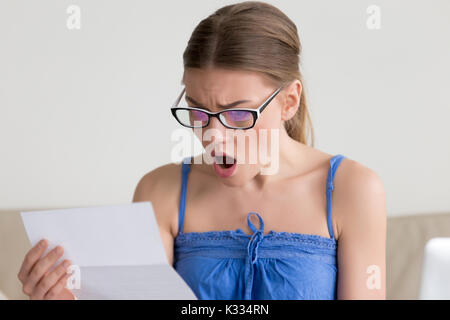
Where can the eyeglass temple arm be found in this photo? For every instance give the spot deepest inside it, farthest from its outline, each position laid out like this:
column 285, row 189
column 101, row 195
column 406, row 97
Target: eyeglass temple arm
column 261, row 109
column 179, row 98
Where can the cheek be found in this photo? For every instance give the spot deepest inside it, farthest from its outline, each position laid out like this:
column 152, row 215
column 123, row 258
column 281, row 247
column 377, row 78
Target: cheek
column 199, row 135
column 271, row 121
column 270, row 118
column 204, row 139
column 267, row 122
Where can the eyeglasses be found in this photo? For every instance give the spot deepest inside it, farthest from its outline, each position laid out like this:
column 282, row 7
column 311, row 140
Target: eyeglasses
column 236, row 118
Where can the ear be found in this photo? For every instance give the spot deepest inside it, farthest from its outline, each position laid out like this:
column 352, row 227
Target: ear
column 291, row 103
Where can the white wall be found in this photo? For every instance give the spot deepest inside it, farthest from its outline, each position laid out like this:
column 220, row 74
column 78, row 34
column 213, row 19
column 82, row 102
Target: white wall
column 85, row 113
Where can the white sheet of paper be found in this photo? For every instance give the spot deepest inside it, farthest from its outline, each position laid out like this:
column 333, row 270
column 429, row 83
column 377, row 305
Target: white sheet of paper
column 118, row 250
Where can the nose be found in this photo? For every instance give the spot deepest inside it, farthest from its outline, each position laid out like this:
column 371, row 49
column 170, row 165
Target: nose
column 218, row 131
column 214, row 123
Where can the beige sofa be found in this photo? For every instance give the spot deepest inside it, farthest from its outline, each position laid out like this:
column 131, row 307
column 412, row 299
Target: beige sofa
column 406, row 238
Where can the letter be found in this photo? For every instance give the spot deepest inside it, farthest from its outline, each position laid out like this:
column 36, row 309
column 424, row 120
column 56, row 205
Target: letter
column 241, row 143
column 207, row 136
column 74, row 20
column 74, row 281
column 373, row 281
column 184, row 310
column 374, row 20
column 183, row 140
column 271, row 163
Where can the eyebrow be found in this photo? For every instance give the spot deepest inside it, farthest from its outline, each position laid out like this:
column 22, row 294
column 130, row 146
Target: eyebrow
column 219, row 105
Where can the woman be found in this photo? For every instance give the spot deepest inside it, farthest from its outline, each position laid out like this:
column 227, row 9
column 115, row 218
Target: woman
column 313, row 228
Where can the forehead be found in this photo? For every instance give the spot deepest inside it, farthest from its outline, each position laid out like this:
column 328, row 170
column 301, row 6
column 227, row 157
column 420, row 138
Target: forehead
column 218, row 83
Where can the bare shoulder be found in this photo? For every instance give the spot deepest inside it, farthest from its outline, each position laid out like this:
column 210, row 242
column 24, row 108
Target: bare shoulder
column 161, row 187
column 157, row 181
column 355, row 180
column 358, row 196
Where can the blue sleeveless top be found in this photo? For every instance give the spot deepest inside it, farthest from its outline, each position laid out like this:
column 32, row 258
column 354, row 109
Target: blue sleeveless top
column 232, row 265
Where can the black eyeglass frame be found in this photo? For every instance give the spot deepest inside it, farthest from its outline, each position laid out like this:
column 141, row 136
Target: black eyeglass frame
column 255, row 112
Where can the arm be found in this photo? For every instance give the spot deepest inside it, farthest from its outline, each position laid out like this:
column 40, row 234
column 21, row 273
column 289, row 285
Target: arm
column 360, row 202
column 158, row 187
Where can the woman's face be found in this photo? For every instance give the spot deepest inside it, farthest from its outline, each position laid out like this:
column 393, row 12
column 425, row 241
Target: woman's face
column 246, row 149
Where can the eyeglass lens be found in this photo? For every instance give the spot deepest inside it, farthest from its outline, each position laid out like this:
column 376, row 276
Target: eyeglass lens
column 231, row 118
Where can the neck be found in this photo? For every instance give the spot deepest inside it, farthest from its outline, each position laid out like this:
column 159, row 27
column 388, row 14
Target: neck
column 291, row 155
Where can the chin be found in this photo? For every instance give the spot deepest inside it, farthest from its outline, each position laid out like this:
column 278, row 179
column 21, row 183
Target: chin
column 242, row 175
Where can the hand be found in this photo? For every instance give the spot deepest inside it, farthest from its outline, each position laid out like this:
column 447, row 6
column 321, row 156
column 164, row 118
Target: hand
column 38, row 282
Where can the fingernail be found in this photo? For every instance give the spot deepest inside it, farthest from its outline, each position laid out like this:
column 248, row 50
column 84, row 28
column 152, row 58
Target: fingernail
column 42, row 242
column 59, row 250
column 66, row 264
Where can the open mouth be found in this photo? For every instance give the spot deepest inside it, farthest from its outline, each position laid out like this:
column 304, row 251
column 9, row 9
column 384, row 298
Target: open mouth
column 224, row 165
column 225, row 161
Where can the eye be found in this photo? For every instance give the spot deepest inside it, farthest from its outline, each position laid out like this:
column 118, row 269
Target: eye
column 199, row 115
column 238, row 115
column 237, row 118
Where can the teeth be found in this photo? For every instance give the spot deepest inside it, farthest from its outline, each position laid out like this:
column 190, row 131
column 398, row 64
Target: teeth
column 224, row 160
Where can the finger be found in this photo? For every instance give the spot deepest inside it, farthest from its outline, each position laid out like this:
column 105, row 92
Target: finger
column 31, row 258
column 47, row 282
column 40, row 268
column 55, row 292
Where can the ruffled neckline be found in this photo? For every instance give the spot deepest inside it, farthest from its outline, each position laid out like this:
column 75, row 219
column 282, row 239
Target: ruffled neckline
column 240, row 233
